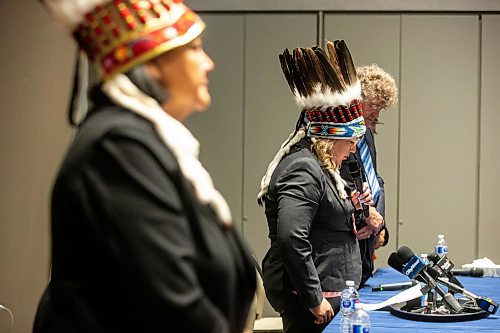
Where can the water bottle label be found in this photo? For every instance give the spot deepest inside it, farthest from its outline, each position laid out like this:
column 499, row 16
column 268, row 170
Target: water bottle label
column 360, row 329
column 347, row 304
column 442, row 249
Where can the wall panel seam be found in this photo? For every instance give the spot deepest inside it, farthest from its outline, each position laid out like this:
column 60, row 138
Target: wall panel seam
column 479, row 105
column 243, row 129
column 398, row 168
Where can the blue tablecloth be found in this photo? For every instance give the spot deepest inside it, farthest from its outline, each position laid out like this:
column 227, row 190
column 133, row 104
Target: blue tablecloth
column 385, row 322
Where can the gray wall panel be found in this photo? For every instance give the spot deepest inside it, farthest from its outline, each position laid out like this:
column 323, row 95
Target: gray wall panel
column 270, row 111
column 342, row 5
column 220, row 128
column 439, row 132
column 489, row 246
column 36, row 65
column 375, row 39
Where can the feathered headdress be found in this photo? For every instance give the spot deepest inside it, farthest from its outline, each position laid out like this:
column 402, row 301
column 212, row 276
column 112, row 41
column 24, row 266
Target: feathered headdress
column 326, row 87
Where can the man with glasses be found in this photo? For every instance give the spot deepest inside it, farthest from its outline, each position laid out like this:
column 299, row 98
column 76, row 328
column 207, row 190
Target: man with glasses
column 379, row 91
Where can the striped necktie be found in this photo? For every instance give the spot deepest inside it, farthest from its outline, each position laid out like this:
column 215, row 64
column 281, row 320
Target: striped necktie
column 366, row 158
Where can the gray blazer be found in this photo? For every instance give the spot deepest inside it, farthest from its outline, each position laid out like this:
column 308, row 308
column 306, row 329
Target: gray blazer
column 313, row 248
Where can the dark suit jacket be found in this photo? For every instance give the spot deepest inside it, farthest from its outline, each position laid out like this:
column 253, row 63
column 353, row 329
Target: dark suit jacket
column 133, row 249
column 313, row 248
column 366, row 245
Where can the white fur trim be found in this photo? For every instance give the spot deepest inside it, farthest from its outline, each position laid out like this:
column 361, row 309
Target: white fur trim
column 284, row 149
column 340, row 183
column 329, row 98
column 81, row 105
column 72, row 12
column 175, row 136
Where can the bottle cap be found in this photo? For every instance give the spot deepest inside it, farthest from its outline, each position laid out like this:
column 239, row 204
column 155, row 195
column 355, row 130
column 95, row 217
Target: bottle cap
column 440, row 236
column 349, row 283
column 423, row 255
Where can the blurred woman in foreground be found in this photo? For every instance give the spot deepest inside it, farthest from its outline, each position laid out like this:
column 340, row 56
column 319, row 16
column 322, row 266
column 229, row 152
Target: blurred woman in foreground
column 141, row 239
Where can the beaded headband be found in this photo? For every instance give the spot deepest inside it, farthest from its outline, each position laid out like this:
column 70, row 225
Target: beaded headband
column 338, row 122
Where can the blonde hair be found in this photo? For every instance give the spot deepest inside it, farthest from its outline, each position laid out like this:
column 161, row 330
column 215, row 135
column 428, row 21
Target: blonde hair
column 378, row 85
column 323, row 148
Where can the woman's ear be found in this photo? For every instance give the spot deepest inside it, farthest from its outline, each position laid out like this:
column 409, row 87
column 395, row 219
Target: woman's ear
column 153, row 69
column 147, row 78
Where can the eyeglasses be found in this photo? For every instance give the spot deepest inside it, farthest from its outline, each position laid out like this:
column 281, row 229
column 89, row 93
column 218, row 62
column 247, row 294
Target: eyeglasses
column 376, row 107
column 353, row 142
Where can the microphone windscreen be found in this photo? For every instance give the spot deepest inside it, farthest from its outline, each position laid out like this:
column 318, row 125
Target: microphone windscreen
column 395, row 262
column 434, row 257
column 476, row 272
column 354, row 168
column 432, row 272
column 405, row 253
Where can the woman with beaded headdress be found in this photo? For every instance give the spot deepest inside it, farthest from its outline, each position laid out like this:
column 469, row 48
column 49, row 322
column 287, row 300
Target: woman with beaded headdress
column 309, row 211
column 141, row 239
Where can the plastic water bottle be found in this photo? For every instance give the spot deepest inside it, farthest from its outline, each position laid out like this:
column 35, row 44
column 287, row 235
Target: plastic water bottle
column 360, row 320
column 441, row 247
column 348, row 299
column 424, row 298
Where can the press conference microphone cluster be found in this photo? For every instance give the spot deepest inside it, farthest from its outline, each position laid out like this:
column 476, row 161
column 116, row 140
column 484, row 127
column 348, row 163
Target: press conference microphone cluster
column 406, row 262
column 439, row 270
column 443, row 265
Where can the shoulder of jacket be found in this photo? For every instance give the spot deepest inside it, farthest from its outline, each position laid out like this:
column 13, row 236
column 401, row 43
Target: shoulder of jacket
column 117, row 120
column 302, row 159
column 111, row 124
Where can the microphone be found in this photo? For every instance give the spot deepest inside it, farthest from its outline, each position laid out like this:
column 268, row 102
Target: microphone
column 415, row 267
column 394, row 286
column 485, row 303
column 443, row 265
column 354, row 170
column 474, row 272
column 397, row 263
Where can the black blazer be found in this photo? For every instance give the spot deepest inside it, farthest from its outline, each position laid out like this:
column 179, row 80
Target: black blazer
column 313, row 248
column 133, row 249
